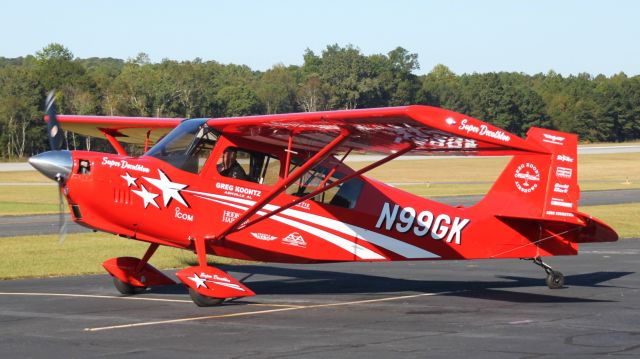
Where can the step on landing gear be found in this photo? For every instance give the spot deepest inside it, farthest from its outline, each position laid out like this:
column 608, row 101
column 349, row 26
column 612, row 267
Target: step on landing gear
column 210, row 286
column 132, row 275
column 555, row 279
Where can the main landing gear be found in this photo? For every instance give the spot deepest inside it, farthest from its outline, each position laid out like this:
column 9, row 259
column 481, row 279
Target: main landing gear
column 555, row 279
column 208, row 286
column 132, row 275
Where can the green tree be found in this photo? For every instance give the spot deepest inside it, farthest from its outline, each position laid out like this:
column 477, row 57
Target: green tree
column 276, row 89
column 21, row 129
column 349, row 76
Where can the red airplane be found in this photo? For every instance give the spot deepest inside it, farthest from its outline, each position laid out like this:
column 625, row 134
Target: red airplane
column 276, row 189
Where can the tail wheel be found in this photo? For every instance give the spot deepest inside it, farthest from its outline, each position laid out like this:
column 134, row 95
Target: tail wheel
column 126, row 288
column 555, row 280
column 204, row 301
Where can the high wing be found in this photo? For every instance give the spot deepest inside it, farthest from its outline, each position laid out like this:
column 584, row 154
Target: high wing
column 124, row 129
column 380, row 130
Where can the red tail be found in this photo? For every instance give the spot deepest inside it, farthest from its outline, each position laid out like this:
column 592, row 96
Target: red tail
column 541, row 186
column 544, row 187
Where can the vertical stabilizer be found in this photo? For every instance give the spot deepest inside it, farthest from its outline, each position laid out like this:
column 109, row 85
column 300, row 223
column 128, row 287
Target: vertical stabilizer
column 540, row 186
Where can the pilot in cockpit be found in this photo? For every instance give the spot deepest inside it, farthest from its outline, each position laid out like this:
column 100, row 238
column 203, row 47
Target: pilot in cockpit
column 229, row 167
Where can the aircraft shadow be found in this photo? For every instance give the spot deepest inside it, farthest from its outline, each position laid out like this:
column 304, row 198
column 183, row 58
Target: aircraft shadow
column 311, row 281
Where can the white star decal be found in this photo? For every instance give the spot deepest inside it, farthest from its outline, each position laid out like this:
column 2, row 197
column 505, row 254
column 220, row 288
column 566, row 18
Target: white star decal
column 130, row 180
column 146, row 196
column 198, row 281
column 169, row 189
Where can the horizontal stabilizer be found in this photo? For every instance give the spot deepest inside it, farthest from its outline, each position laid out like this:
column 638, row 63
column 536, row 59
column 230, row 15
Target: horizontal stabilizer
column 595, row 230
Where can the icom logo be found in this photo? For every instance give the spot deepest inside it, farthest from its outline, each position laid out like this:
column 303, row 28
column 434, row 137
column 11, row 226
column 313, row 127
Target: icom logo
column 527, row 177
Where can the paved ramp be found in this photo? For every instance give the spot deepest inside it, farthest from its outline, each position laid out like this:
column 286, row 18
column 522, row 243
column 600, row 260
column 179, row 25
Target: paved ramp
column 457, row 309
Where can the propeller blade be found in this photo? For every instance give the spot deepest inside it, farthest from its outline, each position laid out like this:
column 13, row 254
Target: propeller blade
column 54, row 131
column 62, row 218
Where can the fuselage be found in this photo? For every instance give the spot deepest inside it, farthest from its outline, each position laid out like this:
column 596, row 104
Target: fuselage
column 151, row 200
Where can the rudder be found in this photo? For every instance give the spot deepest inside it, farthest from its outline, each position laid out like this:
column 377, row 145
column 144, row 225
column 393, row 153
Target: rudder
column 542, row 186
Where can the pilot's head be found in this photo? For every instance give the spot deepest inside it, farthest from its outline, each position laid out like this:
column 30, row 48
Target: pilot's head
column 229, row 156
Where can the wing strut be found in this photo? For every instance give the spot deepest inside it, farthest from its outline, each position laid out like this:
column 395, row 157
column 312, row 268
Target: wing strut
column 114, row 143
column 321, row 189
column 146, row 141
column 284, row 183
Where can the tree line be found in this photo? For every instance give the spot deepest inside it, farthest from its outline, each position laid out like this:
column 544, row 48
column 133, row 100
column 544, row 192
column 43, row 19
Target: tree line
column 597, row 108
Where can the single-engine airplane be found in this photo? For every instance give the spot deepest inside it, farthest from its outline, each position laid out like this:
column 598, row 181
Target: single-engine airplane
column 276, row 188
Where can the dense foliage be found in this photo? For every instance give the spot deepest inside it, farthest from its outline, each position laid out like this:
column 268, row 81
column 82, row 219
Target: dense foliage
column 598, row 108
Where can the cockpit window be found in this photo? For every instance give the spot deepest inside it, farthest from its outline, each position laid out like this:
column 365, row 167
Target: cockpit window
column 343, row 195
column 187, row 147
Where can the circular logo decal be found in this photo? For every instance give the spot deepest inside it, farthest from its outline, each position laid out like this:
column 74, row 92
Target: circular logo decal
column 527, row 177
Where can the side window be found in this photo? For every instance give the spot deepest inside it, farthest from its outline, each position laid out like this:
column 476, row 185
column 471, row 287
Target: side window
column 343, row 195
column 201, row 150
column 249, row 166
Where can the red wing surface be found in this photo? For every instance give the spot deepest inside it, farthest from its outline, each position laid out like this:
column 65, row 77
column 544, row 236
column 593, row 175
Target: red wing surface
column 383, row 131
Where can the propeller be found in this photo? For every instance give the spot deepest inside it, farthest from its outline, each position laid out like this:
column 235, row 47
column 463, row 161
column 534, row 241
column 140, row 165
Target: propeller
column 62, row 218
column 56, row 163
column 54, row 131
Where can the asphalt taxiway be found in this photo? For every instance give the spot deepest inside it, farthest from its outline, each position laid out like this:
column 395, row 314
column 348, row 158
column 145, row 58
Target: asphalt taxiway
column 483, row 309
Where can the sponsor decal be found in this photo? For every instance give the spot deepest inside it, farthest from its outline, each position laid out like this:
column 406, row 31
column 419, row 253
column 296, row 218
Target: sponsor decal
column 106, row 161
column 483, row 130
column 202, row 279
column 564, row 172
column 527, row 177
column 450, row 121
column 295, row 239
column 263, row 236
column 559, row 214
column 424, row 138
column 564, row 158
column 422, row 224
column 303, row 205
column 224, row 279
column 229, row 216
column 561, row 188
column 450, row 143
column 561, row 203
column 556, row 140
column 183, row 216
column 238, row 191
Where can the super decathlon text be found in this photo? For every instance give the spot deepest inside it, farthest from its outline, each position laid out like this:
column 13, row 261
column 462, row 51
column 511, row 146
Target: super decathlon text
column 124, row 165
column 422, row 223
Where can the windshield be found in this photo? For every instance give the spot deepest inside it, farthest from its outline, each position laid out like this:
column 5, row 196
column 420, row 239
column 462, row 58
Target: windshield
column 187, row 147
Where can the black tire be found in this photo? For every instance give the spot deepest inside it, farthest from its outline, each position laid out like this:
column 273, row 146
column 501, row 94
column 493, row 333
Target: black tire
column 555, row 280
column 126, row 288
column 203, row 300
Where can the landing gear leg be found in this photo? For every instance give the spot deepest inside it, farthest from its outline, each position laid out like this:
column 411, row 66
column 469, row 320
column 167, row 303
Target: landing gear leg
column 555, row 279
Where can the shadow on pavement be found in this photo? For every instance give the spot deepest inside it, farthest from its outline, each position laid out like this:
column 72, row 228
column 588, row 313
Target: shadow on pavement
column 311, row 281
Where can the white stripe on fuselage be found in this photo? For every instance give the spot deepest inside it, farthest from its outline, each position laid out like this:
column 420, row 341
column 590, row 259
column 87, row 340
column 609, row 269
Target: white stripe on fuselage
column 391, row 244
column 349, row 246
